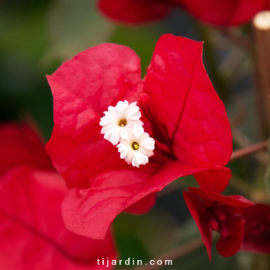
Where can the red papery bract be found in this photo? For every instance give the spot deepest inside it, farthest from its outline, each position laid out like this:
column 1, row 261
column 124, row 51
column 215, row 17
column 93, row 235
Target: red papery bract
column 19, row 144
column 225, row 13
column 101, row 184
column 83, row 88
column 187, row 103
column 257, row 229
column 130, row 11
column 32, row 232
column 212, row 211
column 216, row 12
column 142, row 205
column 90, row 212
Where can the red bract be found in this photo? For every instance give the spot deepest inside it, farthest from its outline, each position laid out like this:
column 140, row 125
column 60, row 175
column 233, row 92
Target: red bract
column 225, row 13
column 212, row 211
column 32, row 233
column 20, row 145
column 257, row 229
column 130, row 11
column 188, row 120
column 216, row 12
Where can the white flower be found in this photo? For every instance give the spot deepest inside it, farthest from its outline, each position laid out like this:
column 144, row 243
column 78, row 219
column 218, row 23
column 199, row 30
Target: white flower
column 135, row 146
column 118, row 118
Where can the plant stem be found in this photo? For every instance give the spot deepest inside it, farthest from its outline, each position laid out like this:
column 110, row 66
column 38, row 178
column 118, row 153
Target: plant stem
column 261, row 33
column 247, row 151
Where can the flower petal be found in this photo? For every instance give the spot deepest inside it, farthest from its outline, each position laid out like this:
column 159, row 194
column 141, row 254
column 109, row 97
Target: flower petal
column 137, row 131
column 148, row 144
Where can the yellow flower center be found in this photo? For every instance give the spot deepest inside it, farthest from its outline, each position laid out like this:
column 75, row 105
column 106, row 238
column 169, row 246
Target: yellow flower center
column 122, row 122
column 135, row 146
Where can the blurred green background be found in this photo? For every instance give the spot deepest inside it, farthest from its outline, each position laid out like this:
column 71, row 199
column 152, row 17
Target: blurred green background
column 37, row 36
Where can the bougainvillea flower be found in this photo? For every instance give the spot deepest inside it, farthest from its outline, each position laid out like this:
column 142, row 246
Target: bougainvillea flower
column 181, row 112
column 136, row 146
column 119, row 118
column 19, row 144
column 213, row 211
column 32, row 233
column 216, row 12
column 257, row 229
